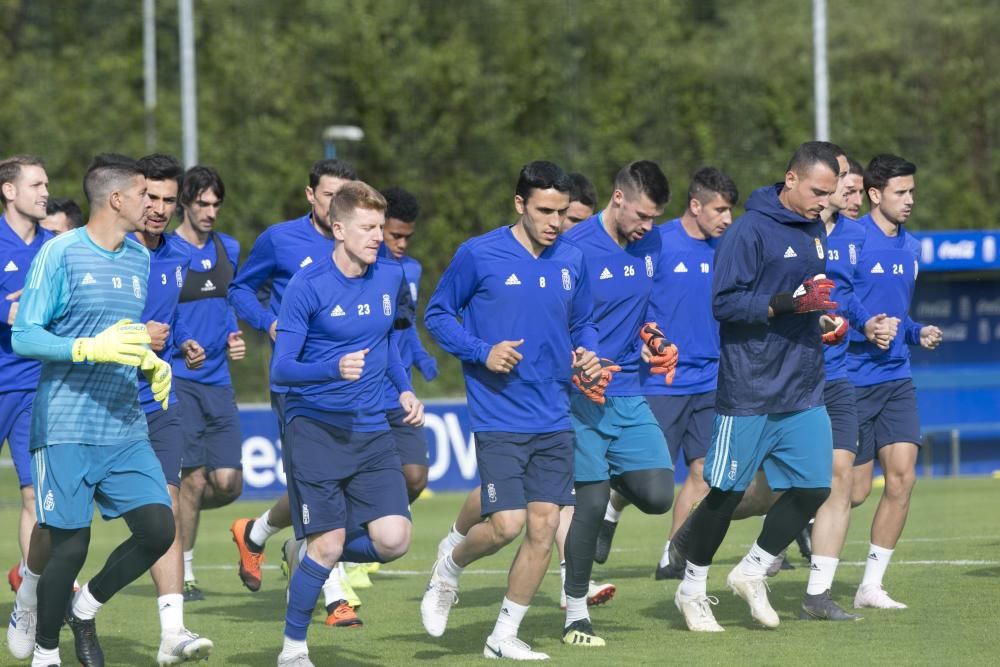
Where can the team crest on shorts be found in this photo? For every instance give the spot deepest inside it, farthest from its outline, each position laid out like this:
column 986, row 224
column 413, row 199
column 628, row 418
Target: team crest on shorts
column 566, row 282
column 853, row 250
column 136, row 287
column 491, row 491
column 734, row 466
column 50, row 501
column 819, row 249
column 386, row 305
column 649, row 266
column 305, row 514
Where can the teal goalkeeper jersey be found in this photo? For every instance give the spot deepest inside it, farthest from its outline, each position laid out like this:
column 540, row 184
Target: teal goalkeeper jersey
column 76, row 289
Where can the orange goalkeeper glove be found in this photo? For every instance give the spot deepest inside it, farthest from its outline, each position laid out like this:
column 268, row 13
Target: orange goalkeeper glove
column 664, row 353
column 594, row 387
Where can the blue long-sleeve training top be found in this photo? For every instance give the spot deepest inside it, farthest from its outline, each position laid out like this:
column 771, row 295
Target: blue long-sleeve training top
column 501, row 292
column 17, row 373
column 886, row 275
column 844, row 246
column 767, row 366
column 411, row 350
column 204, row 308
column 325, row 315
column 621, row 280
column 681, row 303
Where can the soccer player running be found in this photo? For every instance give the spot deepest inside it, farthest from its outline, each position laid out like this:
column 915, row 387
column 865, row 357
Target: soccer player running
column 168, row 267
column 24, row 193
column 334, row 347
column 277, row 255
column 89, row 437
column 886, row 398
column 767, row 294
column 517, row 364
column 212, row 474
column 618, row 443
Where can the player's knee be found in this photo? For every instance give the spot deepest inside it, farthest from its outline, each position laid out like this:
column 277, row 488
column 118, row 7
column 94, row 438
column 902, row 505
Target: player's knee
column 416, row 482
column 153, row 527
column 859, row 494
column 656, row 499
column 810, row 500
column 69, row 547
column 392, row 546
column 542, row 525
column 591, row 501
column 722, row 502
column 900, row 483
column 507, row 526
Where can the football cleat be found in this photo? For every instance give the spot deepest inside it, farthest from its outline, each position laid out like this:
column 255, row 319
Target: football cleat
column 804, row 540
column 357, row 575
column 436, row 603
column 604, row 539
column 874, row 596
column 510, row 648
column 191, row 591
column 821, row 607
column 342, row 615
column 182, row 647
column 668, row 571
column 697, row 611
column 754, row 591
column 597, row 594
column 581, row 633
column 297, row 660
column 251, row 558
column 88, row 648
column 21, row 632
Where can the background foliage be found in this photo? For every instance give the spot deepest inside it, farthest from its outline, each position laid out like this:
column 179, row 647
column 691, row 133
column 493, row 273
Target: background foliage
column 455, row 97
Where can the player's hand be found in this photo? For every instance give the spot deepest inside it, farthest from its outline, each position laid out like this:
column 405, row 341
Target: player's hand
column 159, row 376
column 352, row 364
column 592, row 375
column 273, row 330
column 930, row 337
column 236, row 347
column 812, row 295
column 428, row 368
column 194, row 354
column 833, row 327
column 504, row 356
column 881, row 329
column 158, row 334
column 660, row 353
column 124, row 342
column 414, row 409
column 13, row 296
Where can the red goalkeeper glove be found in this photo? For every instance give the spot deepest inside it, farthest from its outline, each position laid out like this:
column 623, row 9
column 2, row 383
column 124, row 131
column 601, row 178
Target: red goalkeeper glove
column 834, row 328
column 664, row 353
column 594, row 387
column 812, row 295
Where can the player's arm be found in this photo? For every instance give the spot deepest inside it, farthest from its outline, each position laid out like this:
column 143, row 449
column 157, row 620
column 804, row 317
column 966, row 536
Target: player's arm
column 737, row 263
column 422, row 359
column 40, row 303
column 255, row 273
column 297, row 307
column 395, row 369
column 452, row 295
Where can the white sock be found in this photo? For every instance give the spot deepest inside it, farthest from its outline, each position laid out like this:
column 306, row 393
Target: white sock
column 293, row 647
column 611, row 514
column 45, row 656
column 454, row 538
column 171, row 608
column 665, row 558
column 821, row 573
column 332, row 590
column 27, row 594
column 756, row 562
column 878, row 561
column 562, row 574
column 262, row 530
column 448, row 570
column 509, row 619
column 85, row 607
column 576, row 610
column 189, row 565
column 695, row 580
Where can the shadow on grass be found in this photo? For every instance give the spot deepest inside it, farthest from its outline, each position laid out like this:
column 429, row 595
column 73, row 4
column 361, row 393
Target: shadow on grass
column 991, row 572
column 320, row 655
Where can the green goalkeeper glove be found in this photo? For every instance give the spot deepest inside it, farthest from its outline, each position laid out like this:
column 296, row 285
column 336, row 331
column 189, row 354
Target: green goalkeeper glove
column 159, row 375
column 124, row 342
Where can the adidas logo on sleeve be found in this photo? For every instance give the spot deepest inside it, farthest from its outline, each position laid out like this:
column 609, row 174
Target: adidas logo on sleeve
column 790, row 253
column 512, row 280
column 306, row 262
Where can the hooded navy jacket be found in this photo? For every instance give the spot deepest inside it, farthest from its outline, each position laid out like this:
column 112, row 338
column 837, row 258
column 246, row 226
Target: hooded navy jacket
column 767, row 366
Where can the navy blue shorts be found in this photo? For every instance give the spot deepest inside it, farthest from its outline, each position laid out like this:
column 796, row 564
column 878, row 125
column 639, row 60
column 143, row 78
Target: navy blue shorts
column 167, row 438
column 887, row 413
column 686, row 422
column 838, row 396
column 520, row 468
column 278, row 405
column 340, row 479
column 211, row 424
column 15, row 428
column 410, row 441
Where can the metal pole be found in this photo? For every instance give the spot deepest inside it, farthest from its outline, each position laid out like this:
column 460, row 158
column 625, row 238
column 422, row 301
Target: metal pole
column 149, row 70
column 956, row 453
column 821, row 79
column 189, row 97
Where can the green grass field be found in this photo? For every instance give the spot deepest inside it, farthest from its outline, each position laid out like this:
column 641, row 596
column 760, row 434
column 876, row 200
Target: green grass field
column 947, row 568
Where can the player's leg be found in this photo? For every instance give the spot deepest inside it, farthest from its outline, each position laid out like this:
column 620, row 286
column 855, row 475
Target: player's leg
column 321, row 555
column 868, row 405
column 832, row 519
column 224, row 448
column 15, row 428
column 194, row 457
column 412, row 448
column 468, row 516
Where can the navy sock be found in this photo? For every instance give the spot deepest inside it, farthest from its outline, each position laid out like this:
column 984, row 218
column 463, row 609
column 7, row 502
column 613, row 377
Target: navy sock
column 303, row 591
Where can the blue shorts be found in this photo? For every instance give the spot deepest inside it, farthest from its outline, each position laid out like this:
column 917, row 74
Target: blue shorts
column 340, row 479
column 167, row 438
column 838, row 396
column 15, row 428
column 520, row 468
column 686, row 422
column 70, row 478
column 887, row 413
column 795, row 450
column 278, row 405
column 620, row 436
column 410, row 441
column 211, row 424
